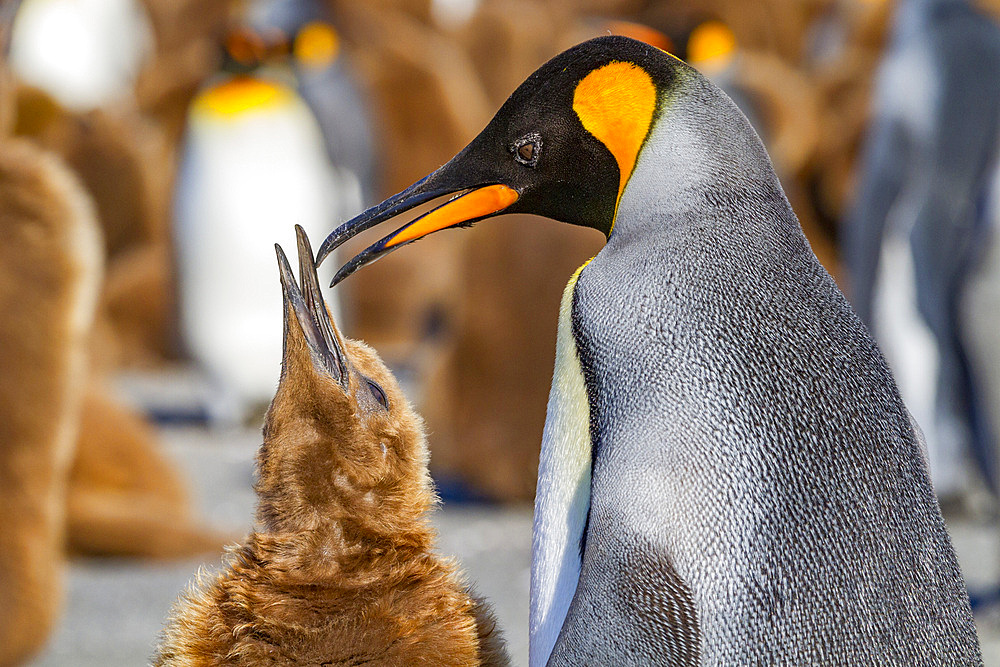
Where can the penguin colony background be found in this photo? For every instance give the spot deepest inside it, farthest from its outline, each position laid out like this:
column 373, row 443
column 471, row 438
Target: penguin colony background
column 173, row 163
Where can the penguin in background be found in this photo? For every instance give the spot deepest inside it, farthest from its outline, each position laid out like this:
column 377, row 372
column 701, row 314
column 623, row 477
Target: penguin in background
column 728, row 474
column 918, row 224
column 254, row 158
column 85, row 53
column 979, row 309
column 325, row 80
column 341, row 569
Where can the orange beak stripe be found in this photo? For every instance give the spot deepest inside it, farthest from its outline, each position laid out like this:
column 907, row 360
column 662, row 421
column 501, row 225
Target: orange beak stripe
column 475, row 204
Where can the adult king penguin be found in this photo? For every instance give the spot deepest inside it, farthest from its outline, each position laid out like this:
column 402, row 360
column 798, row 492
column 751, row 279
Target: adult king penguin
column 728, row 475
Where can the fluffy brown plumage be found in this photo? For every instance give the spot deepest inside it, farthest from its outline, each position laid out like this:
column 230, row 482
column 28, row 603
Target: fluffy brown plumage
column 341, row 569
column 124, row 496
column 50, row 270
column 125, row 165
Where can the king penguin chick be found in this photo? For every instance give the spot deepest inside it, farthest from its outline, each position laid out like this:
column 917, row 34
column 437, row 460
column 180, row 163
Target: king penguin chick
column 341, row 570
column 51, row 264
column 728, row 475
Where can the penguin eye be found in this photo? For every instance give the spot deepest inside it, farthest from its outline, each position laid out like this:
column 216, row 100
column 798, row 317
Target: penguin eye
column 527, row 149
column 378, row 394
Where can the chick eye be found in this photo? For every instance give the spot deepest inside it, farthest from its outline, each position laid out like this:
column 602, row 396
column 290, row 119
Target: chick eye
column 378, row 394
column 527, row 149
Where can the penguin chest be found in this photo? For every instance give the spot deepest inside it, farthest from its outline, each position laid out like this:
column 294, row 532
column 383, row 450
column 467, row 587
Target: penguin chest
column 655, row 398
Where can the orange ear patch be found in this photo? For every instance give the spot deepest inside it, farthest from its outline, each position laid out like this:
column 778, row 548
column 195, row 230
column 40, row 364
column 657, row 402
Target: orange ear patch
column 317, row 45
column 615, row 103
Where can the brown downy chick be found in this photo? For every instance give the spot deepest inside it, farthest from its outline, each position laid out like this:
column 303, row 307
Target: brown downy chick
column 50, row 272
column 125, row 497
column 341, row 569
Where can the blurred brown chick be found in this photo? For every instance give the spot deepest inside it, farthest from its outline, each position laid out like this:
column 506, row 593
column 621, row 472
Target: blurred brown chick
column 341, row 569
column 124, row 497
column 50, row 271
column 126, row 167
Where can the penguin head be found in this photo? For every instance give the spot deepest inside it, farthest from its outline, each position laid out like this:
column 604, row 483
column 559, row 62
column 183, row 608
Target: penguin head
column 339, row 430
column 262, row 65
column 563, row 146
column 302, row 44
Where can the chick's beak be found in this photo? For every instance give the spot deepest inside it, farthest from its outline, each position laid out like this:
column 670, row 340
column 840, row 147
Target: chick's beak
column 470, row 203
column 306, row 303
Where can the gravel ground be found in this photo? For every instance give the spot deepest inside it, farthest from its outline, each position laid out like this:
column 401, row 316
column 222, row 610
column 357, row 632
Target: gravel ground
column 115, row 609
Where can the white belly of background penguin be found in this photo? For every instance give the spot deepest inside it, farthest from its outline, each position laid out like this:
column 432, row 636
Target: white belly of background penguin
column 728, row 474
column 253, row 162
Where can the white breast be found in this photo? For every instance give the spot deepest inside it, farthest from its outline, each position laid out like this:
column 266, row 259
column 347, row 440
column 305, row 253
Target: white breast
column 563, row 496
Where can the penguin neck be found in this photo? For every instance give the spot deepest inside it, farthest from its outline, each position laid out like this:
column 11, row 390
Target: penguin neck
column 702, row 158
column 562, row 501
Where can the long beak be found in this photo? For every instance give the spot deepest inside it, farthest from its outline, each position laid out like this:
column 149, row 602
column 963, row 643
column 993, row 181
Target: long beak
column 468, row 206
column 307, row 304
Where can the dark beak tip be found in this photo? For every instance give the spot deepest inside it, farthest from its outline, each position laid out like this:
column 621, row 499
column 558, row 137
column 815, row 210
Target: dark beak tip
column 325, row 249
column 284, row 269
column 420, row 192
column 337, row 279
column 307, row 263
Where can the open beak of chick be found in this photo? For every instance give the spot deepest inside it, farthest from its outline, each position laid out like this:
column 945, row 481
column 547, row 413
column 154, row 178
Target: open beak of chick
column 304, row 302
